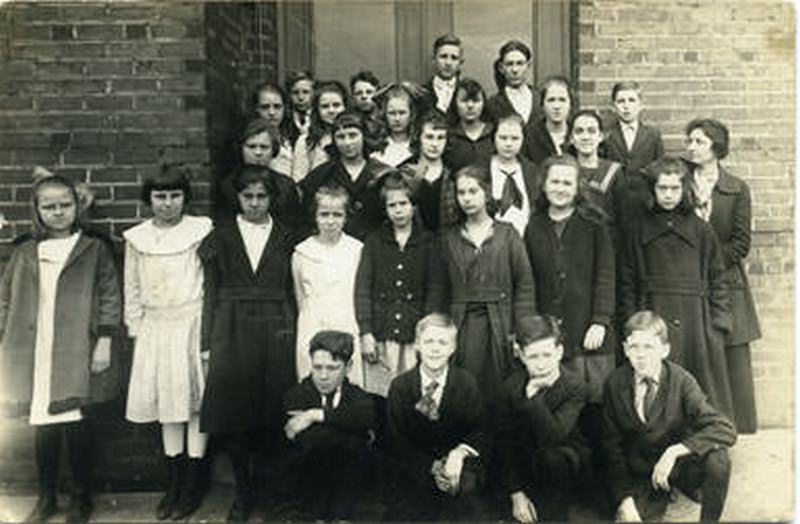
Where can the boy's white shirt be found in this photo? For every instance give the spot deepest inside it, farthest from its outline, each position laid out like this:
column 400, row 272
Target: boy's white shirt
column 629, row 132
column 521, row 99
column 444, row 89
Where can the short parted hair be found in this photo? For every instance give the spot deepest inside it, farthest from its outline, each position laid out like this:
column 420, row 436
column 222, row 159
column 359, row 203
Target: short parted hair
column 397, row 180
column 556, row 80
column 473, row 90
column 716, row 131
column 40, row 230
column 330, row 190
column 398, row 91
column 364, row 76
column 292, row 77
column 439, row 320
column 255, row 127
column 433, row 118
column 508, row 47
column 269, row 87
column 514, row 118
column 169, row 177
column 669, row 165
column 483, row 176
column 540, row 327
column 647, row 320
column 584, row 112
column 626, row 85
column 250, row 174
column 446, row 39
column 338, row 343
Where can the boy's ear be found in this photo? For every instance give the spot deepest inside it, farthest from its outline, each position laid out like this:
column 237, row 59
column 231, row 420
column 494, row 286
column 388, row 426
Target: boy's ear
column 559, row 350
column 664, row 351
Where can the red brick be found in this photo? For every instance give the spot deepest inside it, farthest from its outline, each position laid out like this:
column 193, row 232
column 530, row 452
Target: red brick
column 86, row 157
column 110, row 67
column 15, row 103
column 100, row 32
column 136, row 31
column 113, row 175
column 109, row 103
column 30, row 32
column 59, row 69
column 134, row 84
column 157, row 103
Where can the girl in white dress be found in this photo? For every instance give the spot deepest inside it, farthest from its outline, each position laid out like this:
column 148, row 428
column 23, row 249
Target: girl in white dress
column 59, row 307
column 324, row 272
column 163, row 311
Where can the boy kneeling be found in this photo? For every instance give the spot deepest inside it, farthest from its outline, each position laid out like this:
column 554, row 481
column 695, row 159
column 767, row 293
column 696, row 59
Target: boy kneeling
column 542, row 454
column 329, row 428
column 436, row 431
column 660, row 430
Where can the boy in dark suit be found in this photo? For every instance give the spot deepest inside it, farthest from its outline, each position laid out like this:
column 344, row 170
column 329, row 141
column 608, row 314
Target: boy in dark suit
column 541, row 454
column 630, row 141
column 436, row 431
column 660, row 431
column 448, row 57
column 330, row 422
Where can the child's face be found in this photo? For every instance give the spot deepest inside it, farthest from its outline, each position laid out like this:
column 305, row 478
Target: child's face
column 699, row 147
column 398, row 114
column 270, row 107
column 561, row 187
column 669, row 190
column 508, row 140
column 628, row 105
column 435, row 345
column 469, row 109
column 399, row 207
column 350, row 142
column 432, row 141
column 327, row 373
column 330, row 217
column 470, row 195
column 57, row 209
column 586, row 135
column 541, row 358
column 301, row 94
column 447, row 61
column 514, row 67
column 363, row 93
column 167, row 205
column 257, row 149
column 556, row 103
column 645, row 351
column 330, row 106
column 254, row 203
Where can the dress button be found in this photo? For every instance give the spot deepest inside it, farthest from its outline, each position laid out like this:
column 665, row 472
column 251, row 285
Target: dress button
column 396, row 331
column 398, row 316
column 400, row 266
column 676, row 322
column 410, row 296
column 398, row 283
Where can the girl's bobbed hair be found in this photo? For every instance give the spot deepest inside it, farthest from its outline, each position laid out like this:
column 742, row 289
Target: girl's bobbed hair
column 473, row 90
column 256, row 126
column 40, row 231
column 669, row 165
column 250, row 174
column 556, row 80
column 351, row 118
column 583, row 206
column 511, row 45
column 169, row 177
column 483, row 176
column 716, row 131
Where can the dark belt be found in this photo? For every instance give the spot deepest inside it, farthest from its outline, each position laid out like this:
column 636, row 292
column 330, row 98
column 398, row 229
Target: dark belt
column 665, row 286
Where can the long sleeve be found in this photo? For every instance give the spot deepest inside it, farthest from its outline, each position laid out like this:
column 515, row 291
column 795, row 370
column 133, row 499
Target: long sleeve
column 508, row 431
column 604, row 279
column 5, row 290
column 437, row 297
column 628, row 293
column 709, row 428
column 735, row 248
column 553, row 426
column 357, row 416
column 208, row 253
column 409, row 458
column 297, row 278
column 522, row 277
column 619, row 478
column 448, row 207
column 718, row 297
column 365, row 277
column 133, row 291
column 108, row 294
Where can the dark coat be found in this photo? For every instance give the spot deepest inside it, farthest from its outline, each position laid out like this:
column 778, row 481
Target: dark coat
column 672, row 264
column 647, row 147
column 730, row 218
column 574, row 276
column 391, row 283
column 679, row 414
column 606, row 187
column 347, row 424
column 526, row 425
column 88, row 306
column 463, row 151
column 428, row 101
column 497, row 275
column 248, row 326
column 414, row 440
column 537, row 144
column 365, row 211
column 499, row 106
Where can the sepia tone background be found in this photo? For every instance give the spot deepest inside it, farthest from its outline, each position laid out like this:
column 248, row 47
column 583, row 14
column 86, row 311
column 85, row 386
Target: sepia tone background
column 106, row 92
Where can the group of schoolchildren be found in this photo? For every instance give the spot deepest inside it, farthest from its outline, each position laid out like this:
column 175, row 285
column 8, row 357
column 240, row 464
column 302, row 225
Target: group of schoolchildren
column 426, row 296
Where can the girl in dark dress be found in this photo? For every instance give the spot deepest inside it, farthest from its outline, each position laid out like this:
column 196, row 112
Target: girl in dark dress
column 471, row 127
column 724, row 202
column 248, row 329
column 548, row 136
column 673, row 265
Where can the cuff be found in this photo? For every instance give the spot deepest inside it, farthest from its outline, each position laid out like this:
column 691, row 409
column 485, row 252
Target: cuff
column 468, row 450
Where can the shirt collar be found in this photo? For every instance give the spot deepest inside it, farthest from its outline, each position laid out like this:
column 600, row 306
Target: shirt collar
column 632, row 127
column 439, row 82
column 426, row 379
column 244, row 224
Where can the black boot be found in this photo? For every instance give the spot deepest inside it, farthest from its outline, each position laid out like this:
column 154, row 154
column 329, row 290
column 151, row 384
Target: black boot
column 242, row 504
column 167, row 503
column 47, row 445
column 191, row 495
column 79, row 442
column 80, row 508
column 44, row 509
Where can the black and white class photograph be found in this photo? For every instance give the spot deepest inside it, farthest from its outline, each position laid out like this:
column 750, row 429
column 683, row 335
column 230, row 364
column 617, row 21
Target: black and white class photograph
column 503, row 261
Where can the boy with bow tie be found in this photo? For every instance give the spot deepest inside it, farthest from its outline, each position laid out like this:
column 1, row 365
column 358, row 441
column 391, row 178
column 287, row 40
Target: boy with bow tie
column 660, row 431
column 436, row 431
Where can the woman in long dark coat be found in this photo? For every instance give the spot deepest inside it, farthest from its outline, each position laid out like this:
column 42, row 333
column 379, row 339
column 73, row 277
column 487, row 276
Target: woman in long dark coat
column 724, row 201
column 672, row 264
column 248, row 332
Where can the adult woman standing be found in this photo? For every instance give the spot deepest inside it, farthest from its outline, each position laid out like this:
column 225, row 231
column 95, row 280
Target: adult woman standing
column 724, row 201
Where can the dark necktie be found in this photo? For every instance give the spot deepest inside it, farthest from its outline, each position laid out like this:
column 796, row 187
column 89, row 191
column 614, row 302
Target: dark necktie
column 427, row 405
column 649, row 395
column 327, row 401
column 511, row 195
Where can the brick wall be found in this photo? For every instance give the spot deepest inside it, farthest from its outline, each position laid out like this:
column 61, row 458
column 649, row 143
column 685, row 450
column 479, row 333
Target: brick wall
column 105, row 93
column 733, row 61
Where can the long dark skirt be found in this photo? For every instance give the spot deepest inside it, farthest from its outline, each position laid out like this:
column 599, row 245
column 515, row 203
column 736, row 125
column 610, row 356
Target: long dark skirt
column 740, row 371
column 476, row 349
